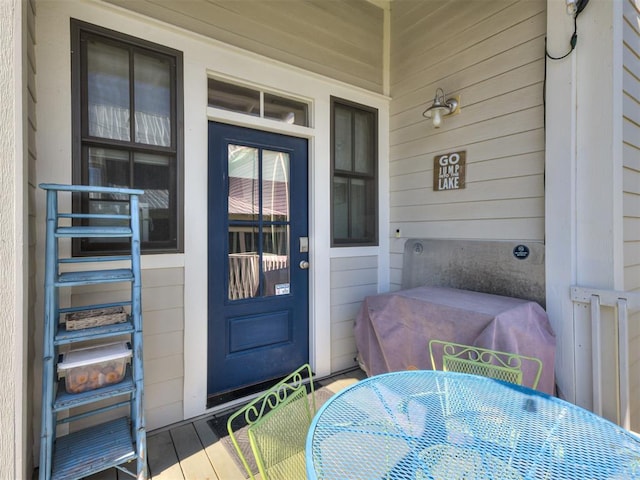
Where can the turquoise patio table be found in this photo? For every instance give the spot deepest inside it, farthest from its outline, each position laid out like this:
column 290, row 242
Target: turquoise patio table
column 450, row 426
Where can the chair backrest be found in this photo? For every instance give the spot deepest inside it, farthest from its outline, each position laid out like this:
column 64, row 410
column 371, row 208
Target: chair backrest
column 510, row 367
column 276, row 425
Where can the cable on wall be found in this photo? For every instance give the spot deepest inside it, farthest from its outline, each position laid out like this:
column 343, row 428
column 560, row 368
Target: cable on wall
column 575, row 7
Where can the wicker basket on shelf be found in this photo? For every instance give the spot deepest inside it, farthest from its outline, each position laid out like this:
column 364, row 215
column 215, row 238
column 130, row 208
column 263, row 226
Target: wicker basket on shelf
column 95, row 318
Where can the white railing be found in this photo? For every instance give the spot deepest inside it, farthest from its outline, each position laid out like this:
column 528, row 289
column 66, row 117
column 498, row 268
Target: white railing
column 623, row 303
column 244, row 272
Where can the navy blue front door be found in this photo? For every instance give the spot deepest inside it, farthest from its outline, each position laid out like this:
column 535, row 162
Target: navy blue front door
column 258, row 279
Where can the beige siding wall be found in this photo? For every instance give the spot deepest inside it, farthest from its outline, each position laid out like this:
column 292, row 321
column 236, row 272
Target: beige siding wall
column 631, row 143
column 352, row 279
column 631, row 184
column 341, row 40
column 492, row 54
column 163, row 326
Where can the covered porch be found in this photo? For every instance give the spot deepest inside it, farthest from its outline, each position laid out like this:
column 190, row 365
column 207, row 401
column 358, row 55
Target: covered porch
column 551, row 150
column 192, row 450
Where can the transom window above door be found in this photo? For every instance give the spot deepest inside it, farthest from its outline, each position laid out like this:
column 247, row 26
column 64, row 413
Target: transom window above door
column 256, row 102
column 127, row 105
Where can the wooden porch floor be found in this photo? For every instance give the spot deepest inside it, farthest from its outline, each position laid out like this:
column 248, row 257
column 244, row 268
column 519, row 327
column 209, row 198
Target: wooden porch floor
column 192, row 451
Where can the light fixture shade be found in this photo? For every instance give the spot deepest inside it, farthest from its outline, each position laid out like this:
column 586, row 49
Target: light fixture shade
column 436, row 115
column 440, row 107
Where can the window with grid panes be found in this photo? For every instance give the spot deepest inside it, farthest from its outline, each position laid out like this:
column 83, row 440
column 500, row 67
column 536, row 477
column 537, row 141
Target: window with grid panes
column 354, row 160
column 127, row 114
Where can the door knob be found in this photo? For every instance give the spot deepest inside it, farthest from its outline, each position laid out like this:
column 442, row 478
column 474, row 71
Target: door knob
column 304, row 265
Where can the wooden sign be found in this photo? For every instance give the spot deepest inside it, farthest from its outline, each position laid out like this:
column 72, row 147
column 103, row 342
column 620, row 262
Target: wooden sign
column 449, row 171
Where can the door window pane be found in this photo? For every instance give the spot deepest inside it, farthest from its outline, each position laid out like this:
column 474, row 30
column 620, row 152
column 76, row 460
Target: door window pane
column 247, row 268
column 243, row 240
column 152, row 90
column 275, row 261
column 244, row 194
column 244, row 266
column 108, row 91
column 275, row 186
column 258, row 239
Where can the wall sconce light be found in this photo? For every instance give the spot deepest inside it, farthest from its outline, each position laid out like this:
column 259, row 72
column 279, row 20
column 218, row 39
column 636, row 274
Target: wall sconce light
column 442, row 106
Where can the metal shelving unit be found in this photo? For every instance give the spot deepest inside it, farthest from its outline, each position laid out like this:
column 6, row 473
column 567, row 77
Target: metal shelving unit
column 115, row 442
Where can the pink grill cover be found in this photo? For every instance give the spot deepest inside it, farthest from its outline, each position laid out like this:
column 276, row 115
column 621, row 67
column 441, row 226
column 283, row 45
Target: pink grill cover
column 393, row 330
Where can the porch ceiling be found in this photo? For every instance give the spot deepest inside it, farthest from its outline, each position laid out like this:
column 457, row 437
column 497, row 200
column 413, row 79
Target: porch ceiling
column 338, row 39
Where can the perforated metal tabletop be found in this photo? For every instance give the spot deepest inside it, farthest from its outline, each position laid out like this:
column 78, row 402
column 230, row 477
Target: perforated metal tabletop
column 451, row 426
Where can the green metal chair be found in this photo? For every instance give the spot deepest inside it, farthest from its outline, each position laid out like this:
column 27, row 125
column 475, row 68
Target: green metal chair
column 276, row 425
column 455, row 357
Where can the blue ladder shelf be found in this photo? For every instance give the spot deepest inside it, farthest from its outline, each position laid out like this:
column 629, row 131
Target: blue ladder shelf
column 114, row 443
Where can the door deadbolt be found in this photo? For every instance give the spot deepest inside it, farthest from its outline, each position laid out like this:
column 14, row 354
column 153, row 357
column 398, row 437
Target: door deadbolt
column 304, row 244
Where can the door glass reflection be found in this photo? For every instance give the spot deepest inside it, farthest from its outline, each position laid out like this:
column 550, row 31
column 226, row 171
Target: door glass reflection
column 275, row 209
column 244, row 195
column 275, row 186
column 244, row 268
column 259, row 213
column 275, row 261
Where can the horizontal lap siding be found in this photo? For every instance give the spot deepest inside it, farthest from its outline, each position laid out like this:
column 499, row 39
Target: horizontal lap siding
column 352, row 279
column 631, row 144
column 491, row 53
column 341, row 40
column 163, row 328
column 631, row 185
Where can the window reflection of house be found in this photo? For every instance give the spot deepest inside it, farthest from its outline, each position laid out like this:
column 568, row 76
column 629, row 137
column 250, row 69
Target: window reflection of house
column 258, row 222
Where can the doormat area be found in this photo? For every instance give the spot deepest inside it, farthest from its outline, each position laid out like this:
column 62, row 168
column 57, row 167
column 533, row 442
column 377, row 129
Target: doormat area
column 219, row 425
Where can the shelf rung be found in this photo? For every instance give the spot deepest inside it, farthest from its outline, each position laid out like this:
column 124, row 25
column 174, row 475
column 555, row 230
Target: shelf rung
column 94, row 306
column 90, row 189
column 97, row 411
column 70, row 279
column 65, row 337
column 65, row 400
column 92, row 450
column 105, row 216
column 114, row 258
column 93, row 232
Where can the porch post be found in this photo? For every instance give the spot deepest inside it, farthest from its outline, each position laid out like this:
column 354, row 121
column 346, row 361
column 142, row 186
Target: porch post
column 599, row 215
column 560, row 208
column 14, row 460
column 583, row 179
